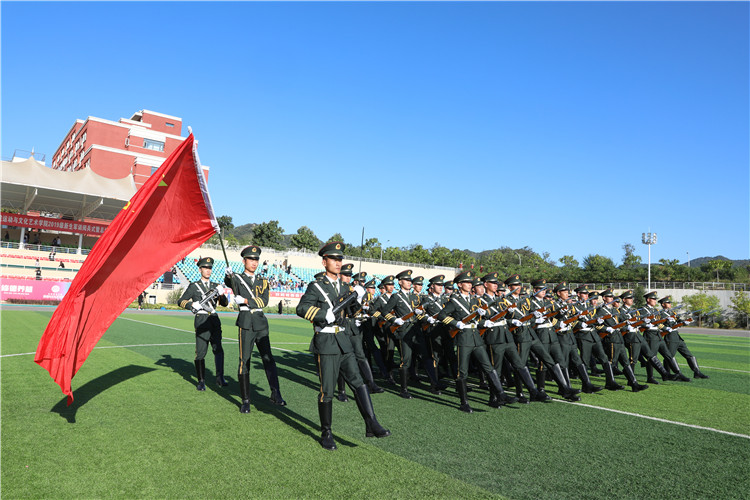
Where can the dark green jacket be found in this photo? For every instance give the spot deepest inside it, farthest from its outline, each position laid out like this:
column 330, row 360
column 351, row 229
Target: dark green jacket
column 313, row 307
column 195, row 292
column 249, row 317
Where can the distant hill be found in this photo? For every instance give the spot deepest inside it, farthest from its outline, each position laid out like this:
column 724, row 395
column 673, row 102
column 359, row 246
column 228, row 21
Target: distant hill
column 702, row 260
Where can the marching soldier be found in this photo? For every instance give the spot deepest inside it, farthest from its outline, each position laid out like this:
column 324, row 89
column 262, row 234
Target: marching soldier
column 368, row 329
column 607, row 317
column 469, row 343
column 379, row 325
column 652, row 339
column 435, row 334
column 333, row 347
column 527, row 341
column 676, row 344
column 500, row 345
column 251, row 294
column 589, row 340
column 207, row 323
column 401, row 305
column 568, row 342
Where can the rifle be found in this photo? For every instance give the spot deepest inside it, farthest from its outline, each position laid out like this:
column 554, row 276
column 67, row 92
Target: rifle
column 205, row 302
column 468, row 319
column 500, row 314
column 526, row 318
column 405, row 317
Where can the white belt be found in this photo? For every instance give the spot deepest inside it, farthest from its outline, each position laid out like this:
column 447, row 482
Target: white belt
column 247, row 308
column 502, row 322
column 329, row 329
column 545, row 325
column 202, row 312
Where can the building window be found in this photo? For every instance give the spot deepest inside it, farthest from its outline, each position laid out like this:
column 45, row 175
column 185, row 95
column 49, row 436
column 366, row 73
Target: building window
column 88, row 163
column 84, row 137
column 154, row 169
column 169, row 124
column 153, row 145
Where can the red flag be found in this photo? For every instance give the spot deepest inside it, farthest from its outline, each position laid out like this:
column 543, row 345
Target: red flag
column 167, row 218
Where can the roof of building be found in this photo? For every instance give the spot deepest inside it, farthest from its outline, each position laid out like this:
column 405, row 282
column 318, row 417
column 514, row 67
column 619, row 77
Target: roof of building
column 29, row 185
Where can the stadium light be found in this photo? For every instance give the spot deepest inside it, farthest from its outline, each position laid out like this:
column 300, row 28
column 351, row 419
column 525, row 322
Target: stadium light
column 649, row 239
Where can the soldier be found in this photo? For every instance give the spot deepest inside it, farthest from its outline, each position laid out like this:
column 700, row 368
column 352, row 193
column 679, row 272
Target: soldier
column 207, row 323
column 568, row 342
column 500, row 345
column 368, row 329
column 676, row 344
column 469, row 343
column 433, row 330
column 589, row 341
column 652, row 339
column 333, row 348
column 251, row 294
column 387, row 346
column 355, row 333
column 526, row 340
column 607, row 317
column 400, row 311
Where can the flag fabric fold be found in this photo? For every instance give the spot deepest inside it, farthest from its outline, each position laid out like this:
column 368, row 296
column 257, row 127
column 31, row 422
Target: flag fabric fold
column 167, row 218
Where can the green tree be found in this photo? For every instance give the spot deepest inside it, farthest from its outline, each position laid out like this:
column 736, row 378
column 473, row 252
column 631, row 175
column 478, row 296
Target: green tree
column 225, row 222
column 741, row 307
column 418, row 254
column 441, row 256
column 631, row 268
column 669, row 269
column 638, row 292
column 598, row 269
column 305, row 238
column 335, row 237
column 704, row 303
column 569, row 270
column 717, row 266
column 269, row 234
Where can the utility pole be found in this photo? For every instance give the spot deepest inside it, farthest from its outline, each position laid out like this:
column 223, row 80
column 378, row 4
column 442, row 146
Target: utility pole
column 649, row 239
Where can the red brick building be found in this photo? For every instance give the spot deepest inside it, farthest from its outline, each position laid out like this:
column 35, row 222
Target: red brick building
column 129, row 147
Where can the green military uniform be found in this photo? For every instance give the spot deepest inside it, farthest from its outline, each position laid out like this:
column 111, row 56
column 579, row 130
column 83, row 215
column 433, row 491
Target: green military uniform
column 206, row 323
column 368, row 329
column 527, row 341
column 333, row 348
column 590, row 343
column 469, row 343
column 380, row 329
column 675, row 344
column 434, row 331
column 408, row 333
column 251, row 295
column 502, row 348
column 651, row 341
column 614, row 345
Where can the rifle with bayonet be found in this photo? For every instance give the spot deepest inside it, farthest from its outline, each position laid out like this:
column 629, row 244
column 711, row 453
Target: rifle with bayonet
column 500, row 314
column 531, row 314
column 468, row 319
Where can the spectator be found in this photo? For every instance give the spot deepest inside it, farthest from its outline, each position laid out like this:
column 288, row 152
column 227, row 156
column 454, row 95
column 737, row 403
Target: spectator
column 38, row 273
column 7, row 236
column 52, row 255
column 61, row 266
column 36, row 238
column 37, row 263
column 26, row 238
column 140, row 298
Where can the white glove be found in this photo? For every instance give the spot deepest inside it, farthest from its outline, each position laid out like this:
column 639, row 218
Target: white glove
column 647, row 320
column 431, row 320
column 460, row 325
column 360, row 292
column 419, row 312
column 358, row 323
column 330, row 318
column 668, row 329
column 610, row 329
column 398, row 321
column 228, row 271
column 197, row 306
column 220, row 289
column 599, row 321
column 516, row 322
column 240, row 300
column 564, row 327
column 481, row 312
column 536, row 314
column 488, row 324
column 671, row 321
column 632, row 329
column 539, row 320
column 366, row 307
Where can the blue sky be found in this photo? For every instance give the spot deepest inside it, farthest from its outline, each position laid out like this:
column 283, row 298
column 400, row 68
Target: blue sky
column 570, row 128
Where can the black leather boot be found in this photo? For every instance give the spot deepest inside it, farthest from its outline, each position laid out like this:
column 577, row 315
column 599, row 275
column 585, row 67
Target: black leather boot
column 244, row 379
column 219, row 362
column 325, row 412
column 650, row 375
column 693, row 364
column 200, row 370
column 541, row 378
column 609, row 374
column 534, row 392
column 586, row 384
column 654, row 361
column 632, row 382
column 364, row 403
column 342, row 390
column 565, row 390
column 676, row 369
column 461, row 389
column 273, row 382
column 404, row 374
column 432, row 375
column 364, row 369
column 495, row 384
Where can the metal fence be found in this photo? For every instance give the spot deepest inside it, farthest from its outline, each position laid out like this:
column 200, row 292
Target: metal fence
column 44, row 248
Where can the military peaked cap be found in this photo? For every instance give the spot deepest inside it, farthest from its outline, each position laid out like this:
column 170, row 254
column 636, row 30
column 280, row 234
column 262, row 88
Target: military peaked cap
column 419, row 280
column 206, row 262
column 251, row 252
column 513, row 279
column 666, row 300
column 404, row 275
column 490, row 278
column 332, row 249
column 464, row 276
column 346, row 269
column 388, row 280
column 539, row 283
column 562, row 286
column 650, row 295
column 627, row 294
column 607, row 292
column 370, row 284
column 437, row 280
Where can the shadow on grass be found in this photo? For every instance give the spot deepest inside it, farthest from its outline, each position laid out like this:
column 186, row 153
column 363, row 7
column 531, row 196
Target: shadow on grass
column 93, row 388
column 186, row 370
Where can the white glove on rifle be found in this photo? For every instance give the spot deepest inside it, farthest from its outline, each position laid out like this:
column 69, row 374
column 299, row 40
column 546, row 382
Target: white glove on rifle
column 228, row 271
column 240, row 300
column 330, row 318
column 647, row 320
column 366, row 307
column 196, row 306
column 431, row 320
column 398, row 321
column 539, row 320
column 564, row 327
column 460, row 325
column 220, row 289
column 671, row 321
column 360, row 292
column 488, row 324
column 632, row 329
column 516, row 322
column 668, row 329
column 358, row 323
column 610, row 329
column 419, row 312
column 536, row 314
column 599, row 321
column 481, row 312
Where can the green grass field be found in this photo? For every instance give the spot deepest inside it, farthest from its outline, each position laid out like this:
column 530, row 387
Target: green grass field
column 139, row 429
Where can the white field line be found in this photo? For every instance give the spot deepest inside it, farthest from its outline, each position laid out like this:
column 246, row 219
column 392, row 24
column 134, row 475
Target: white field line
column 656, row 419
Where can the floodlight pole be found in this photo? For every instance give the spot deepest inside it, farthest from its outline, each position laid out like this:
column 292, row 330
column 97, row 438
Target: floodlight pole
column 649, row 239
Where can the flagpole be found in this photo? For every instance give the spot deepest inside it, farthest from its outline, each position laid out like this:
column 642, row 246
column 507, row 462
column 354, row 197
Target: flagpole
column 226, row 260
